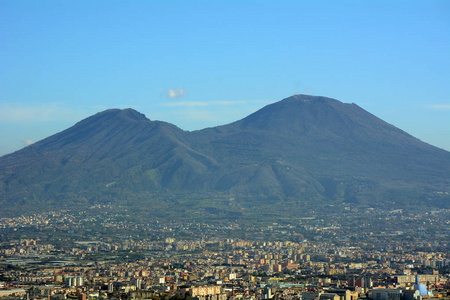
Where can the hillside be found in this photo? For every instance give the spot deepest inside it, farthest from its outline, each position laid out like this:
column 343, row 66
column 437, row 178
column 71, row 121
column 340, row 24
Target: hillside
column 301, row 151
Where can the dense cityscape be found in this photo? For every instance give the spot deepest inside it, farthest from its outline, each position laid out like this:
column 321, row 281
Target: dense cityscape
column 105, row 253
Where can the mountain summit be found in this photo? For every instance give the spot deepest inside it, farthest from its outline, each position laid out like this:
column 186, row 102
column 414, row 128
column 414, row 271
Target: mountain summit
column 303, row 150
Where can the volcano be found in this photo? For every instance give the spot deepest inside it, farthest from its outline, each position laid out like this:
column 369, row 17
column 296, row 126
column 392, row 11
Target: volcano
column 303, row 150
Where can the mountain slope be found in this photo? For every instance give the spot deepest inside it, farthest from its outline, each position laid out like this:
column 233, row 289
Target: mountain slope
column 327, row 142
column 303, row 150
column 118, row 149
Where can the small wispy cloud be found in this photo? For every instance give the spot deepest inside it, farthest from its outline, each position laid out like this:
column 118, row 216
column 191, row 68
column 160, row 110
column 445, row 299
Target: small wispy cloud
column 18, row 112
column 200, row 116
column 11, row 112
column 186, row 104
column 176, row 93
column 212, row 103
column 28, row 142
column 439, row 106
column 194, row 115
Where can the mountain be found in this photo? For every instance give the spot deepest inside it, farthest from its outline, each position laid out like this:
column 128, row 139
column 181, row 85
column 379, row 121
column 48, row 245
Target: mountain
column 114, row 148
column 299, row 152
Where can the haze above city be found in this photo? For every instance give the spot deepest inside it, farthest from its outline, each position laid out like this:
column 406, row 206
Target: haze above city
column 200, row 64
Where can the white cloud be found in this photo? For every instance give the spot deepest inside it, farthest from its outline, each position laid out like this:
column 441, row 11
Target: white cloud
column 213, row 103
column 44, row 112
column 439, row 106
column 186, row 103
column 14, row 112
column 200, row 116
column 176, row 93
column 28, row 142
column 194, row 115
column 50, row 112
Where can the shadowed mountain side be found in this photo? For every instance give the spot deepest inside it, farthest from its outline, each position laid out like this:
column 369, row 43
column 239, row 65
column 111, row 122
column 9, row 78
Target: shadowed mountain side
column 305, row 150
column 114, row 148
column 325, row 136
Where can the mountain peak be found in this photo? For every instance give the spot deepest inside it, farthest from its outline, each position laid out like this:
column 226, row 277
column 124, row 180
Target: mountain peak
column 308, row 99
column 127, row 113
column 298, row 112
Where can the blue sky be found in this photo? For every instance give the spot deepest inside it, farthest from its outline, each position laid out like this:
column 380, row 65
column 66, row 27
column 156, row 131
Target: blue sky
column 199, row 64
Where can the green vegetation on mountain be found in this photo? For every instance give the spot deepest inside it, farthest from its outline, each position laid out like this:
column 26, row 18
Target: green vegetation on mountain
column 301, row 152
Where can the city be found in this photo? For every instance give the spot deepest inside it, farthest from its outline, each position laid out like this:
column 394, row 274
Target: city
column 102, row 254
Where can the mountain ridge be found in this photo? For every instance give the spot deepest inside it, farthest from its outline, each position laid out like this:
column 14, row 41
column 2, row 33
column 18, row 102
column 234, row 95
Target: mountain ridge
column 301, row 149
